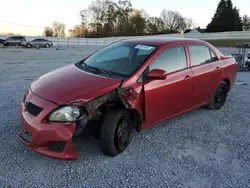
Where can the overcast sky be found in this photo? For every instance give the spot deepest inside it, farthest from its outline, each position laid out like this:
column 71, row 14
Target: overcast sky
column 43, row 12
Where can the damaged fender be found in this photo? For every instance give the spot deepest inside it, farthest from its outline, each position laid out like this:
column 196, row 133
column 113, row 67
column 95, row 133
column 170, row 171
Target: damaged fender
column 132, row 98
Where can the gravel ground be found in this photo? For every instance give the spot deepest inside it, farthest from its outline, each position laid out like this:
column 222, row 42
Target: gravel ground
column 202, row 148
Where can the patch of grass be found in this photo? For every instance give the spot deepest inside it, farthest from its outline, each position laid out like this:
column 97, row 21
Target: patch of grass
column 227, row 43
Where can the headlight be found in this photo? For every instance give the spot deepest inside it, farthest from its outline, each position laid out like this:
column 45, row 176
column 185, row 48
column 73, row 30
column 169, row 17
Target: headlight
column 65, row 114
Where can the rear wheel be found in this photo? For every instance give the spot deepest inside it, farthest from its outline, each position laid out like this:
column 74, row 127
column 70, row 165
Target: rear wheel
column 115, row 132
column 1, row 45
column 28, row 45
column 219, row 98
column 47, row 45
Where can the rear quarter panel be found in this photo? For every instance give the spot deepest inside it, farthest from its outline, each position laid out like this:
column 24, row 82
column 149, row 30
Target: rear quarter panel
column 230, row 70
column 230, row 66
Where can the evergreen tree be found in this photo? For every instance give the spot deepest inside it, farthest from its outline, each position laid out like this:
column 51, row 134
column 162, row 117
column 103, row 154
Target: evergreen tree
column 238, row 25
column 246, row 23
column 226, row 18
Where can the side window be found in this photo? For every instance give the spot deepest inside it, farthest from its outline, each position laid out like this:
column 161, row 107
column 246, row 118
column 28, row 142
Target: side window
column 118, row 53
column 200, row 55
column 171, row 60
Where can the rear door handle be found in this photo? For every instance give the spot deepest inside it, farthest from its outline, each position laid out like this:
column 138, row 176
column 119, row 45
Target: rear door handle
column 187, row 77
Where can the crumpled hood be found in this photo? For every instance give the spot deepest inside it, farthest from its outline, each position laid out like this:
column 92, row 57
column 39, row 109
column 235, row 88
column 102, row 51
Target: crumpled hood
column 70, row 83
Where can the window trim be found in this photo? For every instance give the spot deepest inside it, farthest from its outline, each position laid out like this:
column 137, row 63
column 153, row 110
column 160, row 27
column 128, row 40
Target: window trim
column 210, row 51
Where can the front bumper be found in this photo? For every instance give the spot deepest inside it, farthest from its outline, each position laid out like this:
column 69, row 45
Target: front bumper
column 45, row 134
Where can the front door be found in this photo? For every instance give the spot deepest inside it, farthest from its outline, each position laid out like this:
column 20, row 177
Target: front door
column 36, row 42
column 166, row 98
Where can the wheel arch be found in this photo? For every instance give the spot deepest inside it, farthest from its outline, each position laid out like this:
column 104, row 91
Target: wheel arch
column 118, row 104
column 228, row 83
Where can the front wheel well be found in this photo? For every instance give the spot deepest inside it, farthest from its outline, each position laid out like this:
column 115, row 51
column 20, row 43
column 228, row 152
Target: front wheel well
column 118, row 104
column 228, row 82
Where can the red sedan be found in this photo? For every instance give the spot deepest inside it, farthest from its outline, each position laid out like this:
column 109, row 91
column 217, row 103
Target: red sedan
column 131, row 84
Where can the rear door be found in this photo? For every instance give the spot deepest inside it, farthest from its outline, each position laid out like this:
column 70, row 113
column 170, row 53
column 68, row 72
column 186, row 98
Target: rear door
column 207, row 71
column 165, row 98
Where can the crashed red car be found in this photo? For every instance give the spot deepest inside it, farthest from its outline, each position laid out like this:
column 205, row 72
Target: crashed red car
column 131, row 84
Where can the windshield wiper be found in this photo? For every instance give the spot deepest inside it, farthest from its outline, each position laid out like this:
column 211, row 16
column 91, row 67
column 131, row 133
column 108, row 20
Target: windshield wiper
column 96, row 69
column 102, row 71
column 88, row 67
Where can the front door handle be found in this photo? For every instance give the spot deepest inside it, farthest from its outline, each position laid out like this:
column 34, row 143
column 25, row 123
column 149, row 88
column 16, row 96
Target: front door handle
column 187, row 77
column 217, row 69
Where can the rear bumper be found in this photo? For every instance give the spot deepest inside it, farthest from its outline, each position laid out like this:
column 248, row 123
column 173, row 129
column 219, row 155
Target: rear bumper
column 45, row 134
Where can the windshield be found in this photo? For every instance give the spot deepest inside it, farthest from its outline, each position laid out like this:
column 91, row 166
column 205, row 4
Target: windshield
column 119, row 59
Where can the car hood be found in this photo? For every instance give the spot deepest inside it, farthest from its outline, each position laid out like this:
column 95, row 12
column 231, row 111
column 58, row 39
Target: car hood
column 70, row 83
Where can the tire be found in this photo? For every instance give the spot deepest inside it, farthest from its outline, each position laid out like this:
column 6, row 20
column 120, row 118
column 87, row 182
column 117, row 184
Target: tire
column 219, row 98
column 47, row 45
column 29, row 45
column 115, row 132
column 1, row 45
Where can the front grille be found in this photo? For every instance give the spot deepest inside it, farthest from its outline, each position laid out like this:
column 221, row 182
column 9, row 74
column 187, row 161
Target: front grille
column 33, row 109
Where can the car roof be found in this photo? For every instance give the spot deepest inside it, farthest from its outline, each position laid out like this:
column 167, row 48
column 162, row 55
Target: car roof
column 39, row 39
column 161, row 41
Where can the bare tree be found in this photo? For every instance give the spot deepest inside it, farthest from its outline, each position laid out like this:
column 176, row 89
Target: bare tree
column 155, row 25
column 173, row 21
column 246, row 23
column 137, row 24
column 189, row 23
column 118, row 18
column 58, row 29
column 144, row 14
column 78, row 31
column 48, row 32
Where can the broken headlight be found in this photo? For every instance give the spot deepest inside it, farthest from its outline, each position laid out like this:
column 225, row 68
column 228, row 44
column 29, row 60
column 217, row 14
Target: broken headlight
column 65, row 114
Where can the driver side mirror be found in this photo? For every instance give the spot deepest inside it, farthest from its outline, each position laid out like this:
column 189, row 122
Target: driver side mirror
column 157, row 74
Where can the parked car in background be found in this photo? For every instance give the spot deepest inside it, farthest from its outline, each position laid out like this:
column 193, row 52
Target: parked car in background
column 37, row 42
column 3, row 43
column 15, row 40
column 131, row 84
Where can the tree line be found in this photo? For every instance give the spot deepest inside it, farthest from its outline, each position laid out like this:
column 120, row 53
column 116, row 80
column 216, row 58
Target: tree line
column 108, row 18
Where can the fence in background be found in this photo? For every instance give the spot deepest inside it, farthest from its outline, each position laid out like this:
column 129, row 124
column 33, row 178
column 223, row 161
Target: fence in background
column 242, row 35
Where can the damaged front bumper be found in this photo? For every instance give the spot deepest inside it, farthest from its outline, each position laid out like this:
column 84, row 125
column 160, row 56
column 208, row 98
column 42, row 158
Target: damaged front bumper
column 45, row 135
